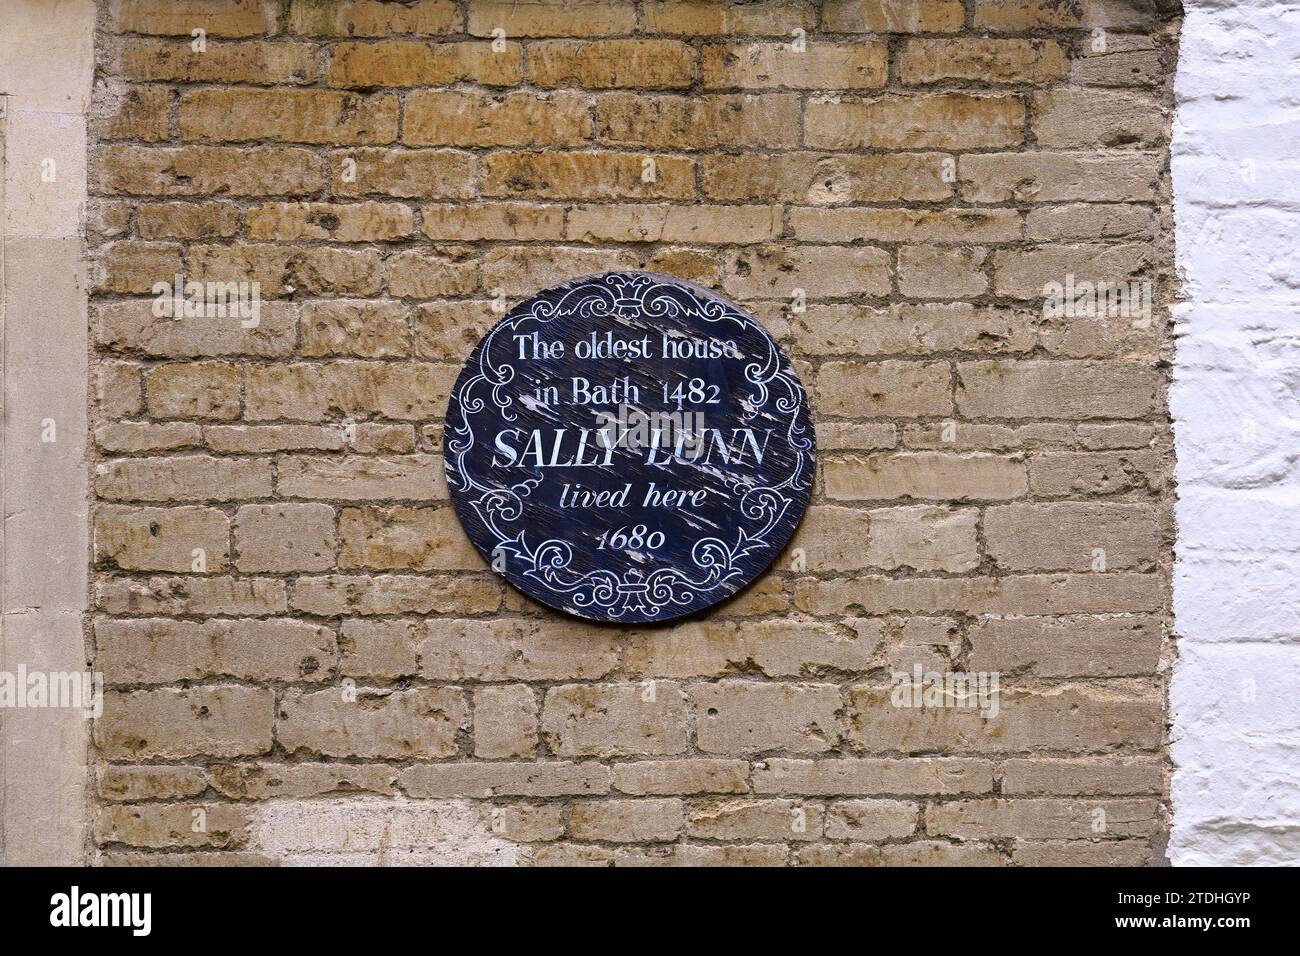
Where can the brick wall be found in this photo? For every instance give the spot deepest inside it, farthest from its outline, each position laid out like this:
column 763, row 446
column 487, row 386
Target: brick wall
column 307, row 660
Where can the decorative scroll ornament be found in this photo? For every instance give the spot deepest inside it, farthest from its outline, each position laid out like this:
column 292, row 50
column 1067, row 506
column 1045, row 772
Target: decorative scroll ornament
column 629, row 448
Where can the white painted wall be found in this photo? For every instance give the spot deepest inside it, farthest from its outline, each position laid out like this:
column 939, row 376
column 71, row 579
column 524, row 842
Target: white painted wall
column 1236, row 408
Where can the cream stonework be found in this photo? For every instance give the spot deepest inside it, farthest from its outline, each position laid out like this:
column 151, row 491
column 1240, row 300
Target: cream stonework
column 297, row 636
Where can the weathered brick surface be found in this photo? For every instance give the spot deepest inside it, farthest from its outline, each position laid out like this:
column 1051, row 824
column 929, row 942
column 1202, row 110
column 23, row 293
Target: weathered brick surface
column 285, row 606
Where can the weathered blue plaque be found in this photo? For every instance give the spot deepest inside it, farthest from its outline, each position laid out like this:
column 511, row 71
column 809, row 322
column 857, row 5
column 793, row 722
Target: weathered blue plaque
column 629, row 448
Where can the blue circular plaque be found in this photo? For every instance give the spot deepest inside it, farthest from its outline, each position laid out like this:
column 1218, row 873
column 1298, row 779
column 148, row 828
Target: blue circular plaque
column 629, row 448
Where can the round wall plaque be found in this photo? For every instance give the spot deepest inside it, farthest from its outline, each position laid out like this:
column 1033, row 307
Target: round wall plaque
column 629, row 448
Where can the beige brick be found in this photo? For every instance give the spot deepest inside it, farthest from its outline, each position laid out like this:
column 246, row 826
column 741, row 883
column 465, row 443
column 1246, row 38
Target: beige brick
column 125, row 782
column 870, row 819
column 194, row 390
column 734, row 716
column 263, row 781
column 1069, row 535
column 117, row 389
column 614, row 720
column 373, row 18
column 166, row 826
column 284, row 537
column 908, row 329
column 317, row 391
column 205, row 170
column 1016, row 15
column 1067, row 647
column 287, row 115
column 1083, row 775
column 527, row 650
column 942, row 272
column 244, row 439
column 1108, row 853
column 698, row 122
column 456, row 118
column 834, row 776
column 823, row 180
column 135, row 112
column 923, row 538
column 356, row 328
column 161, row 539
column 1021, row 594
column 712, row 855
column 161, row 650
column 228, row 18
column 511, row 221
column 1103, row 473
column 403, row 63
column 279, row 270
column 754, row 819
column 605, row 64
column 1084, row 118
column 1058, row 177
column 1068, row 718
column 188, row 220
column 403, row 174
column 448, row 331
column 1089, row 221
column 848, row 224
column 916, row 853
column 706, row 18
column 655, row 222
column 776, row 271
column 925, row 475
column 963, row 436
column 422, row 722
column 252, row 61
column 136, row 267
column 404, row 539
column 891, row 388
column 596, row 175
column 775, row 648
column 983, row 61
column 351, row 222
column 544, row 18
column 854, row 436
column 379, row 650
column 130, row 326
column 1125, row 61
column 1030, row 819
column 1025, row 273
column 819, row 66
column 1068, row 390
column 1123, row 435
column 171, row 723
column 626, row 821
column 426, row 274
column 700, row 266
column 544, row 778
column 524, row 270
column 183, row 478
column 341, row 594
column 134, row 437
column 505, row 721
column 917, row 121
column 686, row 776
column 357, row 478
column 184, row 596
column 892, row 16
